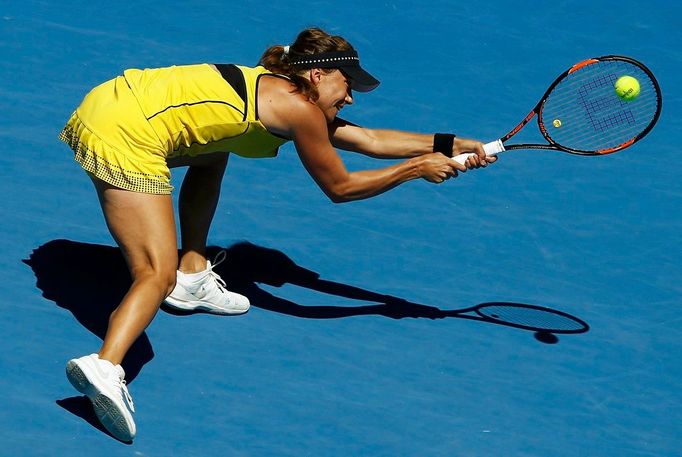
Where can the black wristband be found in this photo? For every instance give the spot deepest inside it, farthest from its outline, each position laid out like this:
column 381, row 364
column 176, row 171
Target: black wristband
column 442, row 142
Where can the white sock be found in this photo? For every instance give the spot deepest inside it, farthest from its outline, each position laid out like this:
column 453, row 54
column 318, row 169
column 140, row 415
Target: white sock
column 191, row 278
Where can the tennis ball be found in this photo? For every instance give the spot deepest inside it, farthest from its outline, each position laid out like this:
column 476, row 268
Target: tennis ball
column 627, row 88
column 556, row 123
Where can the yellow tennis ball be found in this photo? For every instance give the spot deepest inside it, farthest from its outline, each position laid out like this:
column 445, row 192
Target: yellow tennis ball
column 556, row 123
column 627, row 88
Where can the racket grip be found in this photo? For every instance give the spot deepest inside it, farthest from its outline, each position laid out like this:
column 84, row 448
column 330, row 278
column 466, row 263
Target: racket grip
column 491, row 149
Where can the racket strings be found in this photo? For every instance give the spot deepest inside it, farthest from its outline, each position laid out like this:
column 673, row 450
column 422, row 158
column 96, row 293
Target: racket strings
column 600, row 125
column 584, row 113
column 593, row 105
column 614, row 120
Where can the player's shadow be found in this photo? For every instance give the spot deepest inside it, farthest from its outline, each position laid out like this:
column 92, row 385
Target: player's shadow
column 248, row 265
column 89, row 280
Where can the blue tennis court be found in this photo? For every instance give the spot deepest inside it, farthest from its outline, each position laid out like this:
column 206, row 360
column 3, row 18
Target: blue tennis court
column 352, row 347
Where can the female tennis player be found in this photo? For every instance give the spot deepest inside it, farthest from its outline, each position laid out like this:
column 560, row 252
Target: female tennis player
column 129, row 131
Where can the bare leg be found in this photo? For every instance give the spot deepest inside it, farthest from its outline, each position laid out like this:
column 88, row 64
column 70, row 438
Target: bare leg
column 204, row 290
column 199, row 196
column 143, row 225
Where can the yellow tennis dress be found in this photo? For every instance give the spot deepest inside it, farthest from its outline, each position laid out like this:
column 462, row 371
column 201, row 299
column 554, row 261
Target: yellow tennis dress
column 125, row 129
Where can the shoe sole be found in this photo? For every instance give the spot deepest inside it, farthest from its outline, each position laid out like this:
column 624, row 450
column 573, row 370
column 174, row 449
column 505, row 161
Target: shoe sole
column 105, row 408
column 199, row 306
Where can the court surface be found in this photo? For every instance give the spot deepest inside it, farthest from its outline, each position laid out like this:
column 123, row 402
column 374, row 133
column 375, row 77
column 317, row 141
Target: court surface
column 341, row 355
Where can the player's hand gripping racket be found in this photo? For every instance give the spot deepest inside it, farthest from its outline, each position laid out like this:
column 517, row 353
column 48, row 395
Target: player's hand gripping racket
column 583, row 113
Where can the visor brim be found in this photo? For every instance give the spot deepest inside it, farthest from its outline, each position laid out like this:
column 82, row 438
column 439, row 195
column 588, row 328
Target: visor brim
column 360, row 80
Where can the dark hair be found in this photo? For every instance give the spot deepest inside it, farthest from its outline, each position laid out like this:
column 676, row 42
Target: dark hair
column 310, row 41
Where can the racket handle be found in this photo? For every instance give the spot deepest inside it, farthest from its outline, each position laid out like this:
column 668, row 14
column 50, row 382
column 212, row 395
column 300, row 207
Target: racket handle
column 491, row 149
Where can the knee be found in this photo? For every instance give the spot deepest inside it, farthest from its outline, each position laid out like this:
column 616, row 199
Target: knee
column 162, row 278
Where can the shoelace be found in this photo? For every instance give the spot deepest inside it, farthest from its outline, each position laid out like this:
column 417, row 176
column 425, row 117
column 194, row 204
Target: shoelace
column 128, row 398
column 219, row 258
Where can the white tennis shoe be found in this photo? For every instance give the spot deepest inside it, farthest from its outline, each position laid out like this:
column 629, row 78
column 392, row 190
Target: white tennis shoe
column 104, row 384
column 207, row 293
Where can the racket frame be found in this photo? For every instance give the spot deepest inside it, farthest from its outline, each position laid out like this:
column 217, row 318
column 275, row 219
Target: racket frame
column 553, row 145
column 497, row 146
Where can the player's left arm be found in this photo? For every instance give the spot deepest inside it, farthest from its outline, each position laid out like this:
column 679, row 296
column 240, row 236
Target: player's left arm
column 392, row 144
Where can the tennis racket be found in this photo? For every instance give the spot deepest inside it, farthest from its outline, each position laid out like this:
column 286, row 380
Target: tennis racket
column 581, row 113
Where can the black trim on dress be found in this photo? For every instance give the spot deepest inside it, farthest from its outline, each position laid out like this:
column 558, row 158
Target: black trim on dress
column 235, row 78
